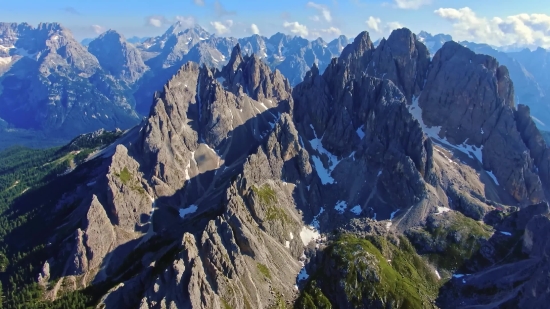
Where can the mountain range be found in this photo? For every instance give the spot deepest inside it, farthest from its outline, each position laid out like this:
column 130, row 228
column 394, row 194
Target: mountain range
column 359, row 187
column 53, row 87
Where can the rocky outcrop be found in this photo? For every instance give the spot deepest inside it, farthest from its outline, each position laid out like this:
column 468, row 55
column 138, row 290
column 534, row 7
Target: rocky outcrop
column 480, row 91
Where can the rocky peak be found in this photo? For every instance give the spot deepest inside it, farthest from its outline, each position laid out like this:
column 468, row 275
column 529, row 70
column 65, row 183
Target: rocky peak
column 402, row 59
column 120, row 58
column 251, row 75
column 456, row 81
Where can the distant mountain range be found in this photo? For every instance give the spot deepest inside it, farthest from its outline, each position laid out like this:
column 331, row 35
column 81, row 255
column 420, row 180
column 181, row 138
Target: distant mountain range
column 52, row 84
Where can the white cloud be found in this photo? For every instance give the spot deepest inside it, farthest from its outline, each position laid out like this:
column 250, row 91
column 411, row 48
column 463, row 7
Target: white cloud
column 97, row 29
column 187, row 21
column 296, row 28
column 254, row 29
column 375, row 24
column 155, row 21
column 529, row 30
column 411, row 4
column 222, row 27
column 199, row 2
column 331, row 31
column 323, row 10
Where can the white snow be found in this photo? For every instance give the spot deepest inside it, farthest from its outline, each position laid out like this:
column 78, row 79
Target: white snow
column 315, row 222
column 55, row 37
column 493, row 177
column 441, row 210
column 89, row 184
column 324, row 173
column 5, row 60
column 437, row 274
column 360, row 132
column 506, row 233
column 341, row 207
column 263, row 105
column 287, row 244
column 291, row 236
column 303, row 274
column 356, row 210
column 458, row 276
column 394, row 213
column 308, row 234
column 433, row 132
column 482, row 131
column 189, row 210
column 379, row 173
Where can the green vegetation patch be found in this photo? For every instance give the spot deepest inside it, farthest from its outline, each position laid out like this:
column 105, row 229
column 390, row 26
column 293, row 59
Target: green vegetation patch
column 264, row 270
column 266, row 194
column 450, row 242
column 356, row 268
column 125, row 176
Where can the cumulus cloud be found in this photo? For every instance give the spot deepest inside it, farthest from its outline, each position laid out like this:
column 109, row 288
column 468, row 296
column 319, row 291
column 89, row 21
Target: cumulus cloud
column 254, row 29
column 296, row 28
column 199, row 2
column 331, row 31
column 97, row 29
column 323, row 10
column 411, row 4
column 156, row 21
column 375, row 24
column 188, row 21
column 529, row 30
column 222, row 27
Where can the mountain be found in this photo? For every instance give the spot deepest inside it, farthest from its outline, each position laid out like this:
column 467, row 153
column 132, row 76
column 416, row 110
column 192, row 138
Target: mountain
column 50, row 83
column 358, row 188
column 291, row 55
column 526, row 67
column 433, row 42
column 118, row 57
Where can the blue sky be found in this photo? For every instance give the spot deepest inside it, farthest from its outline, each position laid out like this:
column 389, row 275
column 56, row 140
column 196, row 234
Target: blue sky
column 495, row 22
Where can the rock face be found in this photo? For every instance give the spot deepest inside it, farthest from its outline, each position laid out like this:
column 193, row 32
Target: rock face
column 118, row 57
column 51, row 83
column 480, row 91
column 237, row 186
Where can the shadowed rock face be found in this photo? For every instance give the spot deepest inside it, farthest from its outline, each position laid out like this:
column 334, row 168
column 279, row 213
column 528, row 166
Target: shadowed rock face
column 218, row 198
column 471, row 98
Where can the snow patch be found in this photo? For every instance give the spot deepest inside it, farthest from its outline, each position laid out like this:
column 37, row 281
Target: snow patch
column 303, row 274
column 356, row 210
column 360, row 132
column 5, row 60
column 493, row 177
column 324, row 173
column 393, row 214
column 433, row 132
column 308, row 234
column 291, row 236
column 441, row 210
column 287, row 244
column 89, row 184
column 341, row 207
column 437, row 274
column 506, row 233
column 189, row 210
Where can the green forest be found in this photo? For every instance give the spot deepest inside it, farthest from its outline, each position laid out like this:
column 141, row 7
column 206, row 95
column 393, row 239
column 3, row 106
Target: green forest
column 31, row 182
